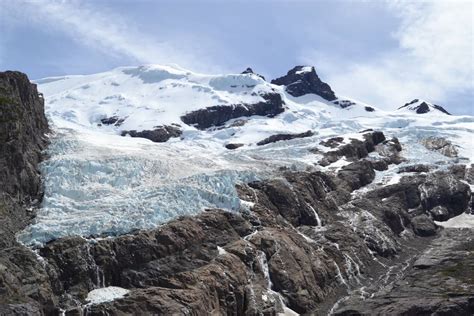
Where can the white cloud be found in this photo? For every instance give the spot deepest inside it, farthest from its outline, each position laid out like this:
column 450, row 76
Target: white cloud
column 103, row 30
column 434, row 58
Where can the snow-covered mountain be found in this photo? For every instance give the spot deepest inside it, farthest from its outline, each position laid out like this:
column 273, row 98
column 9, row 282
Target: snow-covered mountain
column 285, row 185
column 99, row 182
column 142, row 98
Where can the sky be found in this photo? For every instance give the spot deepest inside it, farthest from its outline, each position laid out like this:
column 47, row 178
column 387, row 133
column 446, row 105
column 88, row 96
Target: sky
column 381, row 52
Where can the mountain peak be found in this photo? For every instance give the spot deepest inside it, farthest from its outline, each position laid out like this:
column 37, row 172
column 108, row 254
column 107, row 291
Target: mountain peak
column 421, row 107
column 250, row 71
column 302, row 80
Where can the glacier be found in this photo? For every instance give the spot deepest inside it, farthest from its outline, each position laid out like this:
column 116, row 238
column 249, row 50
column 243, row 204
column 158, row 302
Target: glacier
column 98, row 183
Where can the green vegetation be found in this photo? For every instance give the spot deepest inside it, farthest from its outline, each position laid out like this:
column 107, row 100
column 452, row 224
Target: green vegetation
column 462, row 271
column 6, row 100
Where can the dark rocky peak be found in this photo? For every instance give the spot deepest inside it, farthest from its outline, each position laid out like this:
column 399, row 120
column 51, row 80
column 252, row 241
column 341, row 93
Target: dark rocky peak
column 250, row 71
column 421, row 107
column 303, row 80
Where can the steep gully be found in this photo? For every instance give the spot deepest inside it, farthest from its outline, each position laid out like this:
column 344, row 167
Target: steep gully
column 303, row 243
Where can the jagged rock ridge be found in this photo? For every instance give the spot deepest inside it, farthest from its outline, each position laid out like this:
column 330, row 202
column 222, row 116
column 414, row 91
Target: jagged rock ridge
column 422, row 107
column 303, row 80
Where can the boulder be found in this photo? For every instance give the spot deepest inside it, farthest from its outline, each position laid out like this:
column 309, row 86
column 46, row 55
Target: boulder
column 423, row 226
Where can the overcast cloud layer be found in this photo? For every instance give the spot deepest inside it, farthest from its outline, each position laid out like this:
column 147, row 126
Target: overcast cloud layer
column 383, row 53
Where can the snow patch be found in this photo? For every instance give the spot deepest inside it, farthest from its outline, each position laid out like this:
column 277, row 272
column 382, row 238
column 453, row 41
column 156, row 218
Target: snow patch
column 304, row 70
column 461, row 221
column 106, row 294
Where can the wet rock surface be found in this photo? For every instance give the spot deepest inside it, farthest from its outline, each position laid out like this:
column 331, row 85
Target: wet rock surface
column 303, row 80
column 439, row 282
column 219, row 114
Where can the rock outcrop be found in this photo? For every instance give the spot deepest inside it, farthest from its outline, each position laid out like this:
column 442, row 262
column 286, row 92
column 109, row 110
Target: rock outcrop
column 112, row 120
column 354, row 150
column 24, row 286
column 233, row 145
column 219, row 114
column 303, row 80
column 160, row 134
column 250, row 71
column 281, row 137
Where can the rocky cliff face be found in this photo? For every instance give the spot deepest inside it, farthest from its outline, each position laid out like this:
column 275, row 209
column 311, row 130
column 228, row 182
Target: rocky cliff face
column 303, row 241
column 24, row 286
column 22, row 128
